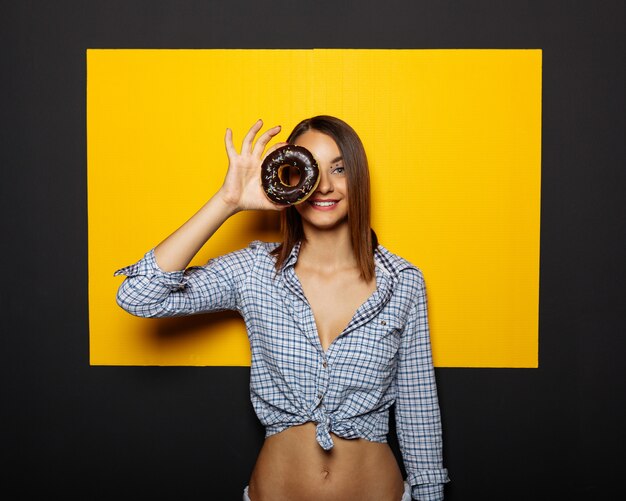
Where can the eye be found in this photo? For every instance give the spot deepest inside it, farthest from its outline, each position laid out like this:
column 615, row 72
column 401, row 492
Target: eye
column 340, row 169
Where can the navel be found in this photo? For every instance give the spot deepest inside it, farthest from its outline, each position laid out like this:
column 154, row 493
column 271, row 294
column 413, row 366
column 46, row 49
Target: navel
column 325, row 473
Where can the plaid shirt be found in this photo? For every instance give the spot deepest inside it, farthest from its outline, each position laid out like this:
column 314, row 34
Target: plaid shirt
column 382, row 357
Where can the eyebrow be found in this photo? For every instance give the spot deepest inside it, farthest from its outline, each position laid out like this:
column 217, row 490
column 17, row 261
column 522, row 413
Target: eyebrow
column 336, row 159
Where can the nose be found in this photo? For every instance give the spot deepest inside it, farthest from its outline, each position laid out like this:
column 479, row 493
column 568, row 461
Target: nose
column 325, row 185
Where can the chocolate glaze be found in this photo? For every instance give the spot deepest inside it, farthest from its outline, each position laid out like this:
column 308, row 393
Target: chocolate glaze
column 274, row 187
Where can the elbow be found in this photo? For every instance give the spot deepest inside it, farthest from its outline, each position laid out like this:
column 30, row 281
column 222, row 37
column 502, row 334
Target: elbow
column 125, row 301
column 132, row 301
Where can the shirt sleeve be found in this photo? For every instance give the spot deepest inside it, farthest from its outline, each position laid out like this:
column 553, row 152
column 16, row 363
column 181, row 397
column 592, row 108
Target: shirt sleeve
column 418, row 422
column 148, row 291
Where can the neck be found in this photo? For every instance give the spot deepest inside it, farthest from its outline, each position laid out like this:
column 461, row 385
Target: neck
column 327, row 250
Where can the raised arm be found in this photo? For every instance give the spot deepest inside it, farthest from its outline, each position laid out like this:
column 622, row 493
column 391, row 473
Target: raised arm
column 160, row 284
column 241, row 191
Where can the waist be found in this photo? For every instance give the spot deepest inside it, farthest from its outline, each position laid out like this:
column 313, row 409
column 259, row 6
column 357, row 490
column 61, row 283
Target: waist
column 292, row 465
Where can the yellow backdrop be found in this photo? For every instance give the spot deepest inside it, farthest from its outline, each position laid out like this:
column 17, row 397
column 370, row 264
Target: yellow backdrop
column 454, row 142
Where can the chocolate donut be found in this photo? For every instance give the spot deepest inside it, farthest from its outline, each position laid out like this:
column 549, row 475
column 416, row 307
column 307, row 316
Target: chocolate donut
column 271, row 169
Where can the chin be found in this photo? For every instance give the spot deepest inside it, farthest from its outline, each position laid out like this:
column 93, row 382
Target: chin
column 326, row 225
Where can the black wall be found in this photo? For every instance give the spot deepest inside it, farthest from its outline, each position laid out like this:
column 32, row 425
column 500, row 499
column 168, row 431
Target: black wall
column 185, row 433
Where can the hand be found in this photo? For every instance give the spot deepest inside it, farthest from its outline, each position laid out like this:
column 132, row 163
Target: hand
column 242, row 186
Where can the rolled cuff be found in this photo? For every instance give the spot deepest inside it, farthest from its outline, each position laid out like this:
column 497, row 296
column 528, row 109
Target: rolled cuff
column 148, row 267
column 427, row 485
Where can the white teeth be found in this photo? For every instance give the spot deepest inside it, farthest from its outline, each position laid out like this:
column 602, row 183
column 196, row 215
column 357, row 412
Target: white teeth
column 324, row 204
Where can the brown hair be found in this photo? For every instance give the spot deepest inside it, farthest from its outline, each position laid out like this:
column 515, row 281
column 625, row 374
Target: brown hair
column 363, row 238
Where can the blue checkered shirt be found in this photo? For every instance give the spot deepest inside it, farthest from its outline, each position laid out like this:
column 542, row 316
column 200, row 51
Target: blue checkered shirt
column 382, row 357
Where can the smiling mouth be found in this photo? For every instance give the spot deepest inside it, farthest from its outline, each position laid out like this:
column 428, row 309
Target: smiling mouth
column 323, row 204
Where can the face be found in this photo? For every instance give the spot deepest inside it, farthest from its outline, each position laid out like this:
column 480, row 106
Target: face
column 327, row 206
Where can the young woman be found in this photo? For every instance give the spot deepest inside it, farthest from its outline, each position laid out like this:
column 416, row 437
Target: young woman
column 337, row 324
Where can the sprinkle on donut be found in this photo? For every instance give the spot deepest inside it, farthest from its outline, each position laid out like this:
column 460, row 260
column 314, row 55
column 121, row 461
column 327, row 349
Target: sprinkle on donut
column 275, row 188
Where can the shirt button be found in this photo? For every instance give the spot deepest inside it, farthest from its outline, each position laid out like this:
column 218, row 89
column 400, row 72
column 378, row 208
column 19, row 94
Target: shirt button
column 319, row 395
column 325, row 364
column 383, row 322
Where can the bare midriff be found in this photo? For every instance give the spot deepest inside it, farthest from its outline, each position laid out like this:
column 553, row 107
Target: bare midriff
column 293, row 467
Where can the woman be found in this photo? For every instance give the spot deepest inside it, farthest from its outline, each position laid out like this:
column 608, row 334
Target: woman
column 337, row 324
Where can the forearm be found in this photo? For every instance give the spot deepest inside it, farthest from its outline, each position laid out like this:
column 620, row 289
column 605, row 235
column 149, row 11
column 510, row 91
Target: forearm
column 176, row 251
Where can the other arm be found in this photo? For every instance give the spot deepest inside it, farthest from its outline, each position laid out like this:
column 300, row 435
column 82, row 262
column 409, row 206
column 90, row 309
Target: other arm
column 418, row 422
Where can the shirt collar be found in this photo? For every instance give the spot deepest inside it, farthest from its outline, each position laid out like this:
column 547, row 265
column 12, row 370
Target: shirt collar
column 293, row 255
column 389, row 262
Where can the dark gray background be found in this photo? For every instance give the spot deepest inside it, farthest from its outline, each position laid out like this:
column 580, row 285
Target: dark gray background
column 190, row 433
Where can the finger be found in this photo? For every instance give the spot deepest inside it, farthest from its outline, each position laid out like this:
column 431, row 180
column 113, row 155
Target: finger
column 264, row 139
column 273, row 148
column 246, row 147
column 230, row 147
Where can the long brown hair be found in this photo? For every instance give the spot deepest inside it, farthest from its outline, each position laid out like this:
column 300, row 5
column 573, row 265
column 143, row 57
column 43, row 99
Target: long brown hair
column 363, row 238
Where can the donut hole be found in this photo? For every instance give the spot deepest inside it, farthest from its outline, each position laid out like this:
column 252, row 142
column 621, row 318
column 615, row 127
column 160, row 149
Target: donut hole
column 289, row 175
